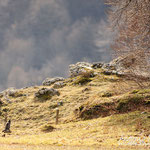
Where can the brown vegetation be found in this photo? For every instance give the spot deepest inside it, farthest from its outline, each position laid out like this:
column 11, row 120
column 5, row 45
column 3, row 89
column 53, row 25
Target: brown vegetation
column 131, row 21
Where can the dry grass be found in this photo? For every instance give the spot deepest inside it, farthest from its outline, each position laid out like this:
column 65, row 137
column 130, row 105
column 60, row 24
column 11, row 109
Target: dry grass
column 42, row 147
column 28, row 116
column 104, row 132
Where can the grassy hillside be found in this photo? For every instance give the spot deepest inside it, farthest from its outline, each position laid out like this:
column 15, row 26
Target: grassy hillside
column 94, row 111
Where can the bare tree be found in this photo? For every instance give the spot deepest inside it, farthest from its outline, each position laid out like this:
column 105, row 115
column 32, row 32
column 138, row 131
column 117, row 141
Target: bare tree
column 131, row 21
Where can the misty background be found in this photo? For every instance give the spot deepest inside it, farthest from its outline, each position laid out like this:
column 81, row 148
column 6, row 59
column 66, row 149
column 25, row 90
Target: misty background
column 40, row 38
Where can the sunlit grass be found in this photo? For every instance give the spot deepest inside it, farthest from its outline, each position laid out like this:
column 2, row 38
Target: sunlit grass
column 97, row 132
column 29, row 117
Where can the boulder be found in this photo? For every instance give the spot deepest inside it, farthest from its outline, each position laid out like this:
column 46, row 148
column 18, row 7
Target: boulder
column 115, row 67
column 78, row 68
column 9, row 92
column 13, row 93
column 46, row 93
column 50, row 81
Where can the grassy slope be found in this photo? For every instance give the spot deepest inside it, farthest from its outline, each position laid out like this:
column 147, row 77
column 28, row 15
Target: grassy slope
column 30, row 116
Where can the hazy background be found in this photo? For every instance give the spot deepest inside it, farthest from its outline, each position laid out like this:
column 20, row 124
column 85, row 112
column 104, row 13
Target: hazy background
column 40, row 38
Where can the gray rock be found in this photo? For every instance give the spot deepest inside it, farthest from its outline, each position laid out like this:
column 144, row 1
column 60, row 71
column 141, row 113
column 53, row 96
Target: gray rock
column 78, row 68
column 50, row 81
column 9, row 92
column 109, row 66
column 12, row 93
column 114, row 67
column 46, row 93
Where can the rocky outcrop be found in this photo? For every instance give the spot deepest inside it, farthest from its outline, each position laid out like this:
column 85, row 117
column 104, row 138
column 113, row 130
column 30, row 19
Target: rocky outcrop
column 9, row 92
column 109, row 69
column 46, row 93
column 12, row 92
column 78, row 68
column 50, row 81
column 114, row 67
